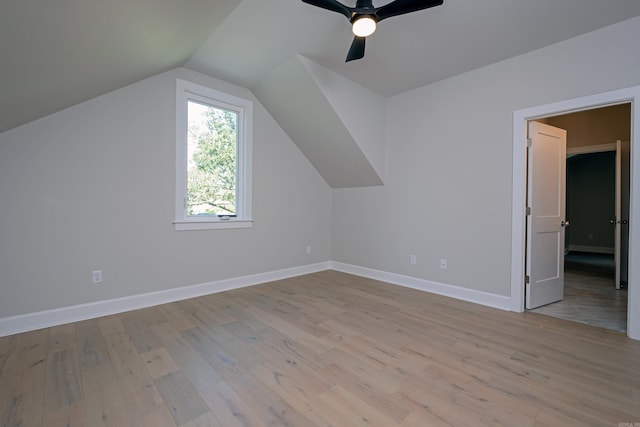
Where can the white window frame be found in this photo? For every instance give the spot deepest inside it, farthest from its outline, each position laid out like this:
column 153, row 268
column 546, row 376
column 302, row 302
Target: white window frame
column 186, row 91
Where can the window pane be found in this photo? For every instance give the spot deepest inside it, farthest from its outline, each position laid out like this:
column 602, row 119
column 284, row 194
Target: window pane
column 211, row 160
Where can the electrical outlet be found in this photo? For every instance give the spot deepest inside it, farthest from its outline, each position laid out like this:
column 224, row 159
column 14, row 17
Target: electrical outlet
column 96, row 276
column 308, row 250
column 590, row 236
column 412, row 259
column 443, row 264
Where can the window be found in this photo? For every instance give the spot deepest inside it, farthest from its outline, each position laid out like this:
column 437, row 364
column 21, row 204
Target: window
column 213, row 159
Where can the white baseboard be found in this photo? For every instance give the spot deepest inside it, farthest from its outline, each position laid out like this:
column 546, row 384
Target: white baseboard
column 465, row 294
column 43, row 319
column 592, row 249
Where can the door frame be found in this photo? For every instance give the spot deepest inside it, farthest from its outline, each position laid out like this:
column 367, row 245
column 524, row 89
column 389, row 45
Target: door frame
column 519, row 189
column 609, row 148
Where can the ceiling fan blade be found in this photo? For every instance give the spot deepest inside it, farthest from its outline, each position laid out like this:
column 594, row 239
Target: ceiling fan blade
column 400, row 7
column 333, row 5
column 364, row 4
column 356, row 51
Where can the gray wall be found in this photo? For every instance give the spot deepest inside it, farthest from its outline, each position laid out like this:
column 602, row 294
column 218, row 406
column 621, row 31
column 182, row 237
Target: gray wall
column 92, row 187
column 596, row 126
column 449, row 162
column 591, row 197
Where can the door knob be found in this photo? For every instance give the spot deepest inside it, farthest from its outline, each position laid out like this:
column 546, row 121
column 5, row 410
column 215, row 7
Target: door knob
column 564, row 224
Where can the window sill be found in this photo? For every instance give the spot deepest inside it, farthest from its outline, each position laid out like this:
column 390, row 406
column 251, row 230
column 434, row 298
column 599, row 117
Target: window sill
column 212, row 225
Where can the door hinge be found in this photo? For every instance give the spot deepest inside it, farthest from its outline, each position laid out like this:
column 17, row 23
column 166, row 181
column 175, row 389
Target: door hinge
column 529, row 142
column 528, row 210
column 527, row 279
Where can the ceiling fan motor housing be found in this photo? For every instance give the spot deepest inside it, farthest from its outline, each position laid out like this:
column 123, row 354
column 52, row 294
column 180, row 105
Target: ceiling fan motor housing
column 366, row 9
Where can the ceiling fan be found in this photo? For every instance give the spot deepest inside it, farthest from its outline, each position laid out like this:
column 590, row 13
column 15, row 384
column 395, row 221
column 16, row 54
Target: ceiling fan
column 364, row 17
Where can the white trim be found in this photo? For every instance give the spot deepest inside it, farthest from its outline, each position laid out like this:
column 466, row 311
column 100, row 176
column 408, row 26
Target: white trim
column 211, row 225
column 188, row 91
column 592, row 249
column 520, row 118
column 464, row 294
column 43, row 319
column 587, row 149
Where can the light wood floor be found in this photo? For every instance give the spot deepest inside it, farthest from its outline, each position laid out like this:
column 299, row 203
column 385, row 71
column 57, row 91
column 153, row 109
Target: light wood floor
column 327, row 349
column 591, row 297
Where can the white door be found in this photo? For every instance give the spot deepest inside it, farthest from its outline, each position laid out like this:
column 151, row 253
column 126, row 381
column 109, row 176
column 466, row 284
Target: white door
column 624, row 226
column 617, row 221
column 621, row 220
column 545, row 223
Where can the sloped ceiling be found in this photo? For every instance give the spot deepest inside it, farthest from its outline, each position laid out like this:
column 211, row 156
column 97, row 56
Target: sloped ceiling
column 54, row 54
column 405, row 52
column 313, row 122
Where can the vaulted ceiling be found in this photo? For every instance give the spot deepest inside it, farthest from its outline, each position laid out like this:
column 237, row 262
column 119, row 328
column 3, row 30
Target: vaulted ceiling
column 54, row 54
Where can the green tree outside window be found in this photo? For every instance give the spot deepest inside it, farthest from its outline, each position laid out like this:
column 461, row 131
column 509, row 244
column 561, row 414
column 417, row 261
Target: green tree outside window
column 211, row 156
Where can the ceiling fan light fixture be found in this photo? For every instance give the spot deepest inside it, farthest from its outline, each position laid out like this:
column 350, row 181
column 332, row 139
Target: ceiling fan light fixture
column 363, row 25
column 364, row 17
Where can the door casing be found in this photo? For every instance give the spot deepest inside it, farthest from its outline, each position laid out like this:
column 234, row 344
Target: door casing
column 520, row 119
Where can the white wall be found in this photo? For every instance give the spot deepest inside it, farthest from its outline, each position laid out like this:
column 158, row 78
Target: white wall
column 361, row 111
column 449, row 162
column 92, row 187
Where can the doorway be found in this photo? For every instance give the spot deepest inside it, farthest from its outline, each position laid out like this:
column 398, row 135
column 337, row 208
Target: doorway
column 521, row 118
column 597, row 196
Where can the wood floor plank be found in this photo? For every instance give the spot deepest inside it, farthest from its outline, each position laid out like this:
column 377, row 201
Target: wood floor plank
column 207, row 311
column 177, row 317
column 348, row 406
column 301, row 393
column 22, row 378
column 365, row 373
column 62, row 338
column 225, row 364
column 296, row 379
column 290, row 330
column 103, row 400
column 254, row 393
column 72, row 415
column 282, row 414
column 590, row 298
column 63, row 384
column 156, row 416
column 134, row 382
column 434, row 406
column 178, row 394
column 205, row 420
column 327, row 349
column 229, row 408
column 278, row 348
column 387, row 403
column 165, row 331
column 200, row 373
column 140, row 332
column 159, row 363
